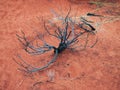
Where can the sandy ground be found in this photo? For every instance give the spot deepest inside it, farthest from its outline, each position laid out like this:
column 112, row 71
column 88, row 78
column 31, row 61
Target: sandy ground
column 95, row 68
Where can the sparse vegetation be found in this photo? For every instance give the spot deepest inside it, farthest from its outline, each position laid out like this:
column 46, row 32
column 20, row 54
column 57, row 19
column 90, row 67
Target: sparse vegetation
column 68, row 33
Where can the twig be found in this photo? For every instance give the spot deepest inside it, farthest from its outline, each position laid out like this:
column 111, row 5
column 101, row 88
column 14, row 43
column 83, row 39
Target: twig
column 67, row 34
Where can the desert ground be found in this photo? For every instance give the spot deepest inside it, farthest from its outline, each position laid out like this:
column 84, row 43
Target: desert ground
column 96, row 68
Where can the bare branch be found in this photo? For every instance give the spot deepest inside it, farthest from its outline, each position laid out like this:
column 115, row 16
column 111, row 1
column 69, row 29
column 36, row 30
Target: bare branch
column 47, row 65
column 28, row 68
column 69, row 34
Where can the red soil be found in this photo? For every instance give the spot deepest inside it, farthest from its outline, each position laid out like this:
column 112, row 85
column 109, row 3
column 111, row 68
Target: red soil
column 97, row 68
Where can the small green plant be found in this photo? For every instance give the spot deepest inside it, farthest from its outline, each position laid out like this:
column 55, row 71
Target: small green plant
column 98, row 3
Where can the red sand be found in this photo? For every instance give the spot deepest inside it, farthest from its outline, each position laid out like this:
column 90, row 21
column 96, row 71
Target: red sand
column 93, row 69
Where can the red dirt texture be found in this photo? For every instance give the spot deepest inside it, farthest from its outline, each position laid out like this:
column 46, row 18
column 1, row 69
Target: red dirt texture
column 96, row 68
